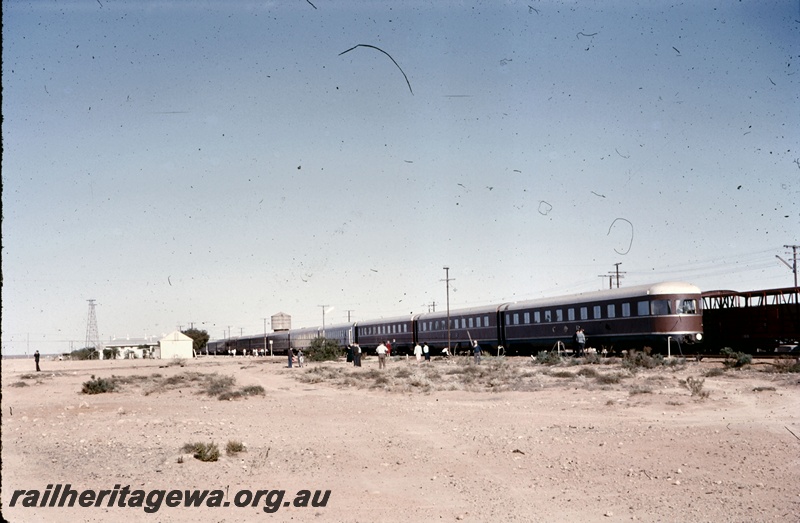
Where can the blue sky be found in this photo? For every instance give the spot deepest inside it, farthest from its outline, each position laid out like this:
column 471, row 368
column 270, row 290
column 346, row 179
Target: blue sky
column 219, row 162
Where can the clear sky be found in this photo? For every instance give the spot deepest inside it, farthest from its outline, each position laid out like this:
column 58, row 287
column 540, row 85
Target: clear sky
column 217, row 162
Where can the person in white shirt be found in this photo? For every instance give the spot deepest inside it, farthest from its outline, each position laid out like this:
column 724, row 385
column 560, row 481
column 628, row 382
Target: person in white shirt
column 418, row 352
column 381, row 350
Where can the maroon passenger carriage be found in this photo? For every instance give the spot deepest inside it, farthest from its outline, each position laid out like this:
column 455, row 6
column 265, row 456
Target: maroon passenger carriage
column 398, row 330
column 634, row 317
column 475, row 323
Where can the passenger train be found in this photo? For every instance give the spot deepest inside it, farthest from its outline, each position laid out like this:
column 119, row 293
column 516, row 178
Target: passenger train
column 634, row 317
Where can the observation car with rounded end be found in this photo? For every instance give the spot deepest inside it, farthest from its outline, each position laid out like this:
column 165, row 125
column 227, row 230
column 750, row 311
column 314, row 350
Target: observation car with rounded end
column 633, row 317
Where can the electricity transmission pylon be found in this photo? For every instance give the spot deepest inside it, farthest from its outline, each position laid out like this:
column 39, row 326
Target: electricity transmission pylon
column 92, row 335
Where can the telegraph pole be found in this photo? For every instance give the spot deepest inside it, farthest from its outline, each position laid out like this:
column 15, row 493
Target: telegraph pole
column 265, row 336
column 323, row 319
column 448, row 280
column 618, row 273
column 348, row 314
column 793, row 266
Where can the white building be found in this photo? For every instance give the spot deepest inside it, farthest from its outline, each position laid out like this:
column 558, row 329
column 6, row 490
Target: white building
column 131, row 348
column 175, row 345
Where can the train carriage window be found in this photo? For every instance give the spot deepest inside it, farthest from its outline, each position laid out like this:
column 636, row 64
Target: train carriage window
column 643, row 308
column 548, row 316
column 463, row 323
column 478, row 321
column 686, row 306
column 584, row 313
column 660, row 307
column 526, row 318
column 486, row 321
column 612, row 310
column 559, row 315
column 571, row 314
column 537, row 317
column 626, row 310
column 471, row 324
column 597, row 312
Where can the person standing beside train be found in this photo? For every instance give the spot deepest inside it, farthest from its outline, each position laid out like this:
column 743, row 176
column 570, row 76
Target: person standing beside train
column 418, row 352
column 356, row 355
column 476, row 349
column 426, row 353
column 580, row 342
column 291, row 356
column 381, row 350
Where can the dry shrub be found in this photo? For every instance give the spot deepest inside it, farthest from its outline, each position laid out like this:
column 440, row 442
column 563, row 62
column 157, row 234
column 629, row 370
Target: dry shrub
column 234, row 447
column 98, row 386
column 610, row 378
column 695, row 385
column 203, row 451
column 640, row 389
column 784, row 365
column 713, row 373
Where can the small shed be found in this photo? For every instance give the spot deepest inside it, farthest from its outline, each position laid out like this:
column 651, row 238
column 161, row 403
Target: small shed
column 176, row 345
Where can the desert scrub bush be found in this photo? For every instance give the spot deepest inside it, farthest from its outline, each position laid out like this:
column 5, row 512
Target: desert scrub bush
column 202, row 451
column 588, row 372
column 217, row 385
column 548, row 358
column 323, row 349
column 561, row 374
column 635, row 360
column 592, row 358
column 381, row 381
column 320, row 374
column 19, row 384
column 784, row 365
column 98, row 386
column 736, row 360
column 640, row 389
column 713, row 373
column 250, row 390
column 695, row 386
column 610, row 378
column 234, row 447
column 403, row 372
column 177, row 361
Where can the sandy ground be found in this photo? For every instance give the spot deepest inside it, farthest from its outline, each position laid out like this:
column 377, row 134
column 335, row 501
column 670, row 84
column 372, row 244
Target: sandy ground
column 557, row 449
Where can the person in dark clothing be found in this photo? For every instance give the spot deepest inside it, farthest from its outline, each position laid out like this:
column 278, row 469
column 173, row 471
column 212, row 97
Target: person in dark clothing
column 291, row 356
column 36, row 359
column 476, row 350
